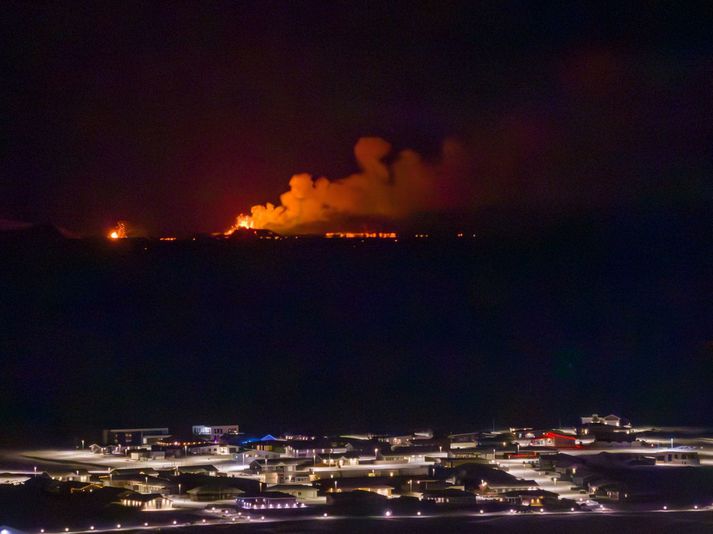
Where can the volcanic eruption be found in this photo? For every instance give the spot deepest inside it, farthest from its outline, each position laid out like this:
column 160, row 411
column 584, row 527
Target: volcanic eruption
column 119, row 231
column 387, row 188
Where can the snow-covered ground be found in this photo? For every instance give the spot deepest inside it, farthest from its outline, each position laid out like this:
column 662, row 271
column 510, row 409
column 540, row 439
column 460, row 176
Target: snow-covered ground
column 85, row 459
column 546, row 482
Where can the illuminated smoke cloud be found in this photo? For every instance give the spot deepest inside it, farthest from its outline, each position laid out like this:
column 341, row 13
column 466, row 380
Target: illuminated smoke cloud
column 381, row 191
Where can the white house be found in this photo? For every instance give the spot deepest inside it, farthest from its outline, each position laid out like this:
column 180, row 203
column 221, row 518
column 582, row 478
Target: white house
column 301, row 492
column 609, row 420
column 678, row 456
column 215, row 432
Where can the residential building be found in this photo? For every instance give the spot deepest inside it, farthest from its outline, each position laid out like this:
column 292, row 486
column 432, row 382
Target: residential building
column 214, row 492
column 678, row 457
column 301, row 492
column 282, row 470
column 134, row 437
column 449, row 497
column 215, row 432
column 535, row 498
column 555, row 439
column 382, row 485
column 145, row 501
column 609, row 420
column 266, row 499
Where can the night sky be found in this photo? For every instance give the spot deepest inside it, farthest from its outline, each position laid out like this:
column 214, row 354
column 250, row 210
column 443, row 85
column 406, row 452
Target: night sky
column 584, row 136
column 176, row 117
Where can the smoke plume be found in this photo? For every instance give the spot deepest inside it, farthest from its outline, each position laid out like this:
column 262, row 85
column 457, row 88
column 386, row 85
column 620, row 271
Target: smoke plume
column 386, row 188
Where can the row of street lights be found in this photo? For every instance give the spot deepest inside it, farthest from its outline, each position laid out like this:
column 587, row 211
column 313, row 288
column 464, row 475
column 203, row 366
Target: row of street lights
column 387, row 513
column 146, row 524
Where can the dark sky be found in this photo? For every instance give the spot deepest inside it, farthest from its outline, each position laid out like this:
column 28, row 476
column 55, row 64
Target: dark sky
column 176, row 116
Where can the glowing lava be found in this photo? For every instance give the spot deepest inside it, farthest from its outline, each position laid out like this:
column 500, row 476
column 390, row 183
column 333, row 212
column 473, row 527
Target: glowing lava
column 119, row 231
column 243, row 221
column 361, row 235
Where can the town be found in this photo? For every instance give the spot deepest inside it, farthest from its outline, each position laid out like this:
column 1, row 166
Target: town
column 217, row 474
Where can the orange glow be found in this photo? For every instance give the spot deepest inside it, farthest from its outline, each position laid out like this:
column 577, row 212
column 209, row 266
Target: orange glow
column 119, row 231
column 383, row 188
column 243, row 221
column 361, row 235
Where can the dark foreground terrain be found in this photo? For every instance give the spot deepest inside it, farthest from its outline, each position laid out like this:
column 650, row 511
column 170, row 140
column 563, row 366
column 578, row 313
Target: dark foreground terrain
column 523, row 325
column 594, row 523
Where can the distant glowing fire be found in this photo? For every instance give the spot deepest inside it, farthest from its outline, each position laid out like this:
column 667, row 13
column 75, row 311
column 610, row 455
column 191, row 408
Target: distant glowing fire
column 119, row 231
column 243, row 221
column 361, row 235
